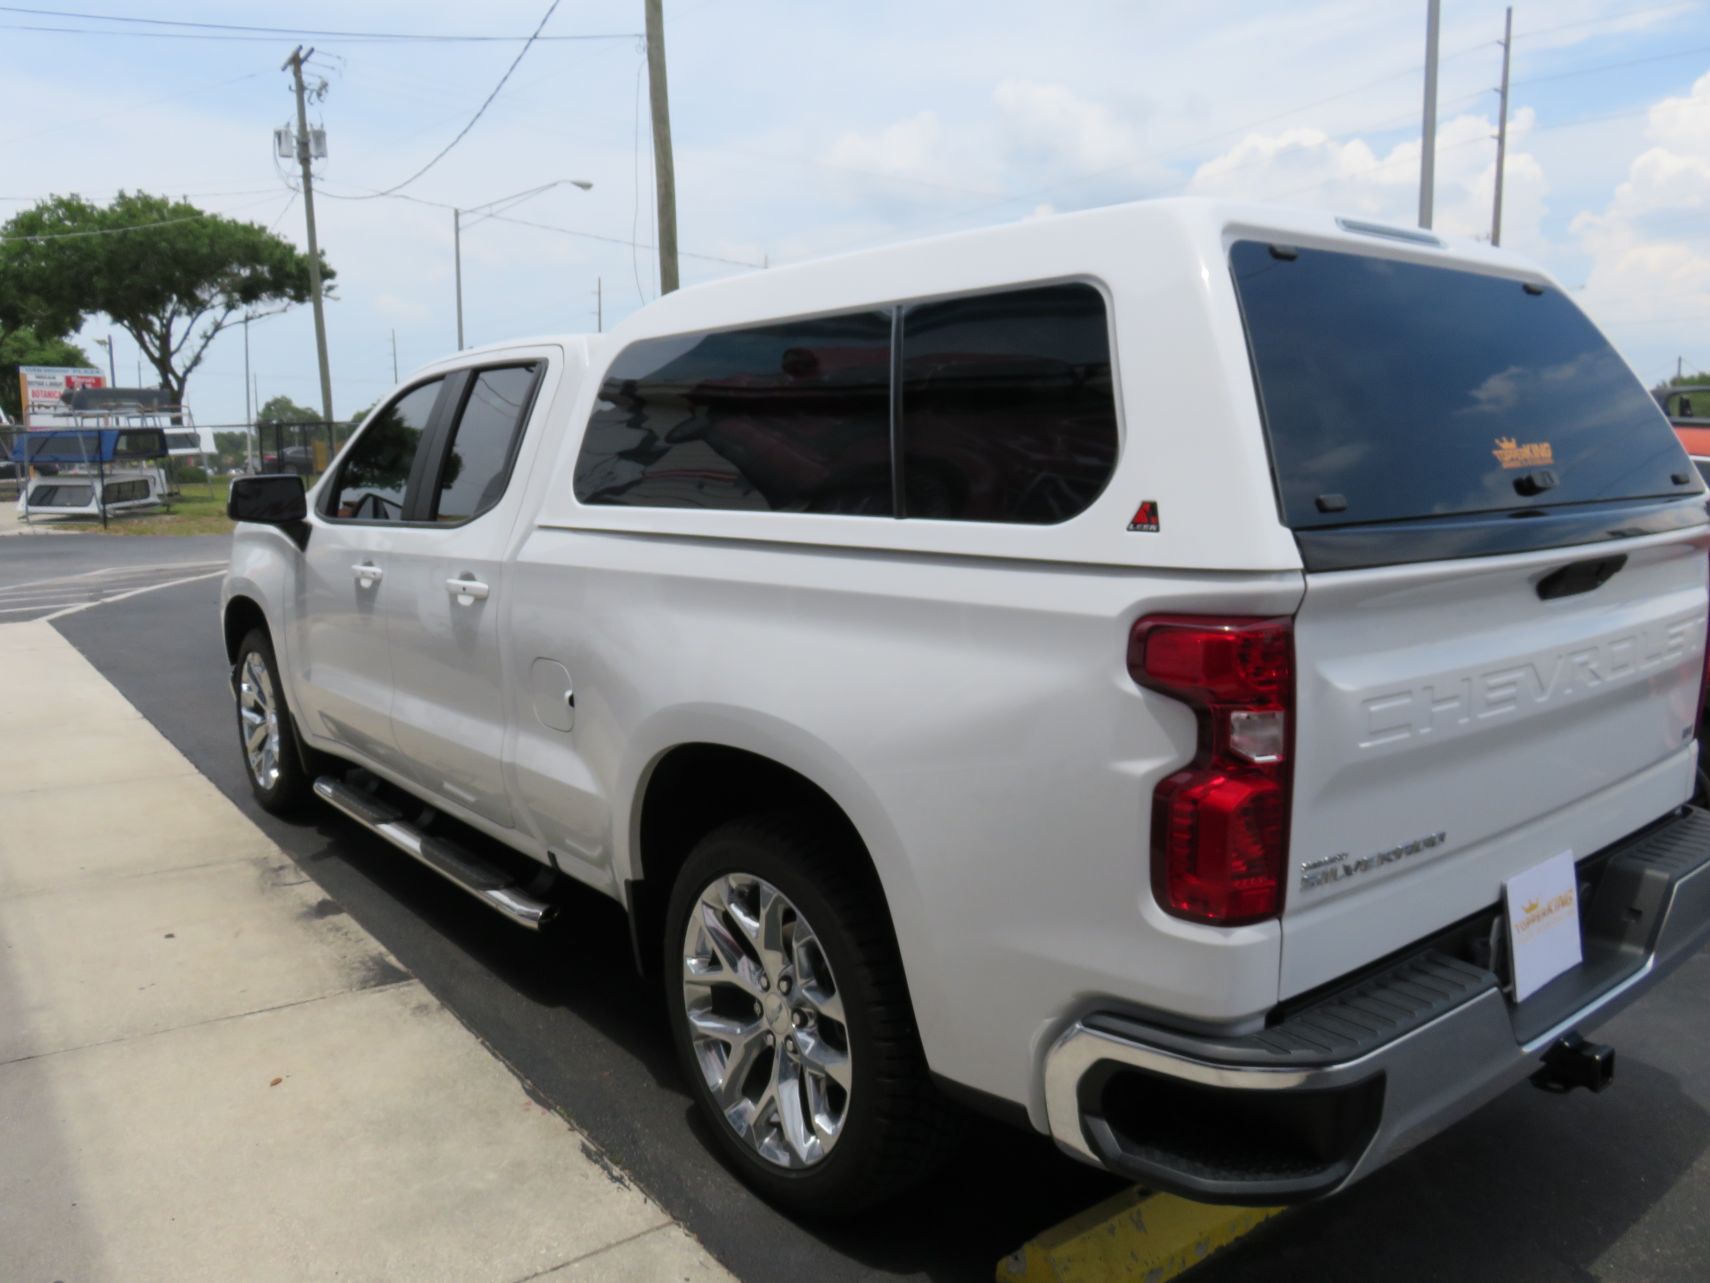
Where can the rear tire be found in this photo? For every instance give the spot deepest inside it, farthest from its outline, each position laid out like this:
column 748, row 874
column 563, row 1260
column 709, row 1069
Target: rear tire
column 266, row 736
column 776, row 930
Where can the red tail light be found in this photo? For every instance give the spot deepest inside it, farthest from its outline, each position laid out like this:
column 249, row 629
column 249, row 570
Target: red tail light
column 1220, row 824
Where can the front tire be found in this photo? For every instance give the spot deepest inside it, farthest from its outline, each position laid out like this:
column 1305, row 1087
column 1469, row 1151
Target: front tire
column 266, row 736
column 792, row 1021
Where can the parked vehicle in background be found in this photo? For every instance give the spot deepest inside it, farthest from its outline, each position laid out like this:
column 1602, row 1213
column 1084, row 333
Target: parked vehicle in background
column 1132, row 671
column 1688, row 409
column 297, row 459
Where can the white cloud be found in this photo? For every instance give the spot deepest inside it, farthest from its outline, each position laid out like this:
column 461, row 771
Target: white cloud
column 1308, row 166
column 1044, row 130
column 1649, row 261
column 909, row 148
column 1051, row 123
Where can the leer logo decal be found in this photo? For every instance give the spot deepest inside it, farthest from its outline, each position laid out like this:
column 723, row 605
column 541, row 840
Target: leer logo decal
column 1534, row 454
column 1146, row 517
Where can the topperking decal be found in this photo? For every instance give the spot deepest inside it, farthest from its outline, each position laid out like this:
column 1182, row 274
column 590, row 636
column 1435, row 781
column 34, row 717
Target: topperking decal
column 1532, row 454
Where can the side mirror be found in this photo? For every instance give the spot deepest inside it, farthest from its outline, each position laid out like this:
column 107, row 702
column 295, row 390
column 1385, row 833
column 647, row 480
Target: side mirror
column 276, row 499
column 272, row 500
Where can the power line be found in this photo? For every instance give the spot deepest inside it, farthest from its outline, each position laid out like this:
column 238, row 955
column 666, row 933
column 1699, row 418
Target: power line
column 133, row 227
column 1595, row 67
column 1676, row 7
column 233, row 31
column 619, row 240
column 242, row 191
column 100, row 231
column 289, row 201
column 545, row 227
column 479, row 111
column 129, row 107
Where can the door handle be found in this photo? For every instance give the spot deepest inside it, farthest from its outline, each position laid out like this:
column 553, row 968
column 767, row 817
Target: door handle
column 367, row 574
column 467, row 591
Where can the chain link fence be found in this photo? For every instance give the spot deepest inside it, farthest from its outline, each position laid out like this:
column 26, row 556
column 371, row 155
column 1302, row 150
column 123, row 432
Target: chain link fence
column 305, row 448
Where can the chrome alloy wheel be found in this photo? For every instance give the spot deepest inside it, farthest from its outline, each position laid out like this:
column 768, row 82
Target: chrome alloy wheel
column 766, row 1021
column 258, row 718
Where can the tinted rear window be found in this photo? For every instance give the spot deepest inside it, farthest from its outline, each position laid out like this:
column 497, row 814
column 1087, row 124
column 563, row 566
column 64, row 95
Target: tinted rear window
column 790, row 417
column 1405, row 391
column 1008, row 410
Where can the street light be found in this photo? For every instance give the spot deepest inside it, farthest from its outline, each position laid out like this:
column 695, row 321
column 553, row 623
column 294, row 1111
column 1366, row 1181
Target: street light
column 112, row 374
column 488, row 210
column 250, row 432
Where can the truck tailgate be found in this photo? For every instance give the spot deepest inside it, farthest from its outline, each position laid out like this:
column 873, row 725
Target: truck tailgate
column 1455, row 726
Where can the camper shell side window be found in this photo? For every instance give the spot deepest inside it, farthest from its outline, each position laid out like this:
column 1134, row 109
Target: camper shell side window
column 995, row 407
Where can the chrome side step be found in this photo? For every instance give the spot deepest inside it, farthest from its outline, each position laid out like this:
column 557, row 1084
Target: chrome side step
column 486, row 882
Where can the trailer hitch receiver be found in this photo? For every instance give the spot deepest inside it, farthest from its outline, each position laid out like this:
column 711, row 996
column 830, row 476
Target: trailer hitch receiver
column 1574, row 1062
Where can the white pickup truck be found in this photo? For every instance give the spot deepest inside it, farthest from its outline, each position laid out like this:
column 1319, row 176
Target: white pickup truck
column 1217, row 685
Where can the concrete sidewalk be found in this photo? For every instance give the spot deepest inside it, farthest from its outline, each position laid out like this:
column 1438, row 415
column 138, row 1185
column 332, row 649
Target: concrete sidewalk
column 10, row 522
column 208, row 1071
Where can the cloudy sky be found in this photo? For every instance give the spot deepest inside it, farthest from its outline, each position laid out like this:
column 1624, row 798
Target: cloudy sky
column 809, row 128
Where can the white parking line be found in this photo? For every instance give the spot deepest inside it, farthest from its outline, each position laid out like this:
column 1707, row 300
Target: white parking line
column 117, row 572
column 45, row 594
column 133, row 592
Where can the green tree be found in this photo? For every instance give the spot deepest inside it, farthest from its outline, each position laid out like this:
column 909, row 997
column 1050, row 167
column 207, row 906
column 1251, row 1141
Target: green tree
column 23, row 306
column 22, row 346
column 1695, row 406
column 282, row 409
column 172, row 276
column 231, row 449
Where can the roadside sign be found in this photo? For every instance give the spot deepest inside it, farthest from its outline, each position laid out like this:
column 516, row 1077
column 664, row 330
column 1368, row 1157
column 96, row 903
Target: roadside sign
column 44, row 392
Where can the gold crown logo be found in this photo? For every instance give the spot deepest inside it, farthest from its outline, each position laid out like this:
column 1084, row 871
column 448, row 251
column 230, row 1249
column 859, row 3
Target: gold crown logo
column 1531, row 906
column 1507, row 443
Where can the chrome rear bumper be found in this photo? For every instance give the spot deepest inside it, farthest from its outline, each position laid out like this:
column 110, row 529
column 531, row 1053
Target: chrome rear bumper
column 1341, row 1086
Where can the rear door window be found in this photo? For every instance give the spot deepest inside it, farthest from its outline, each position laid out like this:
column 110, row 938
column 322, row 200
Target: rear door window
column 1008, row 410
column 478, row 466
column 1394, row 390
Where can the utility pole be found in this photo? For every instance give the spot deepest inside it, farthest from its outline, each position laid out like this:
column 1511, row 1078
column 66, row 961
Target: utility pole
column 295, row 62
column 1428, row 149
column 249, row 450
column 394, row 356
column 599, row 305
column 664, row 173
column 488, row 210
column 1502, row 127
column 457, row 268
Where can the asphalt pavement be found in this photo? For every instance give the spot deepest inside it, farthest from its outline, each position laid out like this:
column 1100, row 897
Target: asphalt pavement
column 1533, row 1187
column 45, row 556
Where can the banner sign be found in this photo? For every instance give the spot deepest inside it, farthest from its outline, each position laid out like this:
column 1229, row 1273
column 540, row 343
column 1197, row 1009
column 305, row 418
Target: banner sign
column 45, row 391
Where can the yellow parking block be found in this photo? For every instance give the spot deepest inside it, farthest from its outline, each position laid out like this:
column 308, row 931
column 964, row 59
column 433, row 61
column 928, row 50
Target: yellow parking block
column 1136, row 1235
